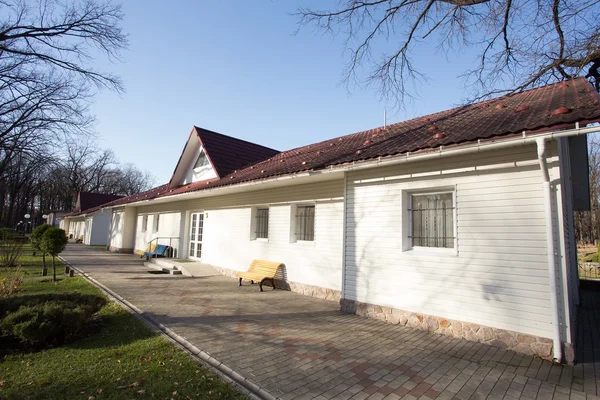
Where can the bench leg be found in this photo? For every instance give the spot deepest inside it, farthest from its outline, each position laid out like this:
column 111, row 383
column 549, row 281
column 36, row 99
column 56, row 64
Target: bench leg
column 240, row 284
column 273, row 283
column 261, row 283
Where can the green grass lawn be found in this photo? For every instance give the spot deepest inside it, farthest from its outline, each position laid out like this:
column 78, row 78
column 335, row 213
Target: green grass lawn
column 31, row 265
column 120, row 359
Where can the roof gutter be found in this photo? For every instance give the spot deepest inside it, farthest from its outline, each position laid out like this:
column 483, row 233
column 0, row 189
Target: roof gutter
column 380, row 162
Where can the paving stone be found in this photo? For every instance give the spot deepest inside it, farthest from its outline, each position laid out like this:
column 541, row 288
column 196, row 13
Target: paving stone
column 300, row 347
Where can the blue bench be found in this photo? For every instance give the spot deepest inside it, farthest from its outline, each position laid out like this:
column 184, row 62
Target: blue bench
column 161, row 250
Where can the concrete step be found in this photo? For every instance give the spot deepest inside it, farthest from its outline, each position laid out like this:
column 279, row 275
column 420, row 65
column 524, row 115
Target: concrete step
column 164, row 266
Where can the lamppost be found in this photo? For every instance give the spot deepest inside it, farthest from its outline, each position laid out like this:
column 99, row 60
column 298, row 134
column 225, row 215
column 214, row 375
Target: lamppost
column 28, row 223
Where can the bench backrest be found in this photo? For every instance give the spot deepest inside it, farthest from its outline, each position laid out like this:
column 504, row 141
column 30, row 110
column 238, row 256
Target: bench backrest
column 263, row 267
column 161, row 249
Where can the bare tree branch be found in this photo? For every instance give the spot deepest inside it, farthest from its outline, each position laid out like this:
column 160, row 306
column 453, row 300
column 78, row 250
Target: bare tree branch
column 519, row 44
column 46, row 70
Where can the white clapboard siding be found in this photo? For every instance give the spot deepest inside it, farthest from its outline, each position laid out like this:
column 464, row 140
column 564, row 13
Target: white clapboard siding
column 142, row 237
column 117, row 227
column 227, row 236
column 496, row 276
column 99, row 228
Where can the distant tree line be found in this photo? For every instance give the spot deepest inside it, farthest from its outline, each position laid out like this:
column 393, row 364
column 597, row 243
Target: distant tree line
column 50, row 182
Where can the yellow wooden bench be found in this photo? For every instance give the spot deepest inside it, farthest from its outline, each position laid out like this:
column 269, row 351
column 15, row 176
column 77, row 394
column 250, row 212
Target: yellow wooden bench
column 260, row 271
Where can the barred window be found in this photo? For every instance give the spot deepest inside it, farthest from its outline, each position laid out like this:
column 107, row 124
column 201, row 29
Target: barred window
column 262, row 223
column 432, row 220
column 305, row 223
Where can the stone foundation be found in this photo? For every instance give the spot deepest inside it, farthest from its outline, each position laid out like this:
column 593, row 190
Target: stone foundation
column 302, row 288
column 313, row 291
column 119, row 250
column 504, row 339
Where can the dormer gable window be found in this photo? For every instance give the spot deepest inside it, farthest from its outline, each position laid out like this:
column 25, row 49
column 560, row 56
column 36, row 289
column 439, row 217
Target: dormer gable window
column 201, row 161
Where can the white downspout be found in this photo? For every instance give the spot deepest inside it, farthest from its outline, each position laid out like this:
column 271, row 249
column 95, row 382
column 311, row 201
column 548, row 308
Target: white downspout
column 557, row 345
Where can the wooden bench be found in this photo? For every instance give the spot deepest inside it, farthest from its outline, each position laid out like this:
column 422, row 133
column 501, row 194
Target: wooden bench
column 260, row 271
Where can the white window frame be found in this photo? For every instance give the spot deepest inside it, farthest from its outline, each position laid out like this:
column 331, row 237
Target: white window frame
column 293, row 222
column 144, row 223
column 202, row 154
column 155, row 222
column 407, row 212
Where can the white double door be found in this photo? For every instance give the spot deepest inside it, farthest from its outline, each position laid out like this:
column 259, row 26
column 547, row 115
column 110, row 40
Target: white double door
column 196, row 231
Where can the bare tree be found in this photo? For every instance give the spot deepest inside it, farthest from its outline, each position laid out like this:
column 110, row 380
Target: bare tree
column 127, row 180
column 519, row 44
column 587, row 223
column 50, row 182
column 47, row 50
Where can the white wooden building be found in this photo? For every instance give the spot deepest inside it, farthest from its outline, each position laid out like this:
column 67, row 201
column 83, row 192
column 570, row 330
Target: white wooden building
column 459, row 222
column 89, row 222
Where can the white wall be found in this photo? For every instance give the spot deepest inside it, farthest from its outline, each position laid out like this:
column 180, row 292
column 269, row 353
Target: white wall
column 228, row 239
column 117, row 226
column 99, row 228
column 77, row 227
column 168, row 227
column 123, row 228
column 498, row 274
column 316, row 263
column 87, row 230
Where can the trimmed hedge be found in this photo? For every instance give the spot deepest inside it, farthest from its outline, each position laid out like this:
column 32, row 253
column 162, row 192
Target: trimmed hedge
column 6, row 233
column 595, row 257
column 41, row 322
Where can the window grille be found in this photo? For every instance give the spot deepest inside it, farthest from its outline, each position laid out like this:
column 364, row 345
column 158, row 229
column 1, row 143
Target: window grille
column 262, row 223
column 432, row 220
column 305, row 223
column 193, row 228
column 196, row 233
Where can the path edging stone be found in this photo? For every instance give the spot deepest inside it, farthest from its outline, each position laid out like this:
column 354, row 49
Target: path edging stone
column 248, row 387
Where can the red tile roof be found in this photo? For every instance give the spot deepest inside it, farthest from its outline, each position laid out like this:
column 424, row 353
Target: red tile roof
column 228, row 154
column 550, row 107
column 147, row 195
column 88, row 202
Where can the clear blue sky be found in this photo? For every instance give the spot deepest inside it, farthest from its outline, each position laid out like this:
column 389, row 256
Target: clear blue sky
column 236, row 67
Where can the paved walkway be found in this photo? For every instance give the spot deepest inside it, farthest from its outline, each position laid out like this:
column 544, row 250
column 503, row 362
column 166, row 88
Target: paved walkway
column 298, row 347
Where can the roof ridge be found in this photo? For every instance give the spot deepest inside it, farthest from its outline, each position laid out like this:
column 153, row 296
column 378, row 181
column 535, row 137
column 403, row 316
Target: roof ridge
column 199, row 129
column 447, row 111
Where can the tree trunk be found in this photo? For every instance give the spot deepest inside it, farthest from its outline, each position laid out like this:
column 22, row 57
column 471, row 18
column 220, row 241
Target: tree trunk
column 44, row 259
column 53, row 270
